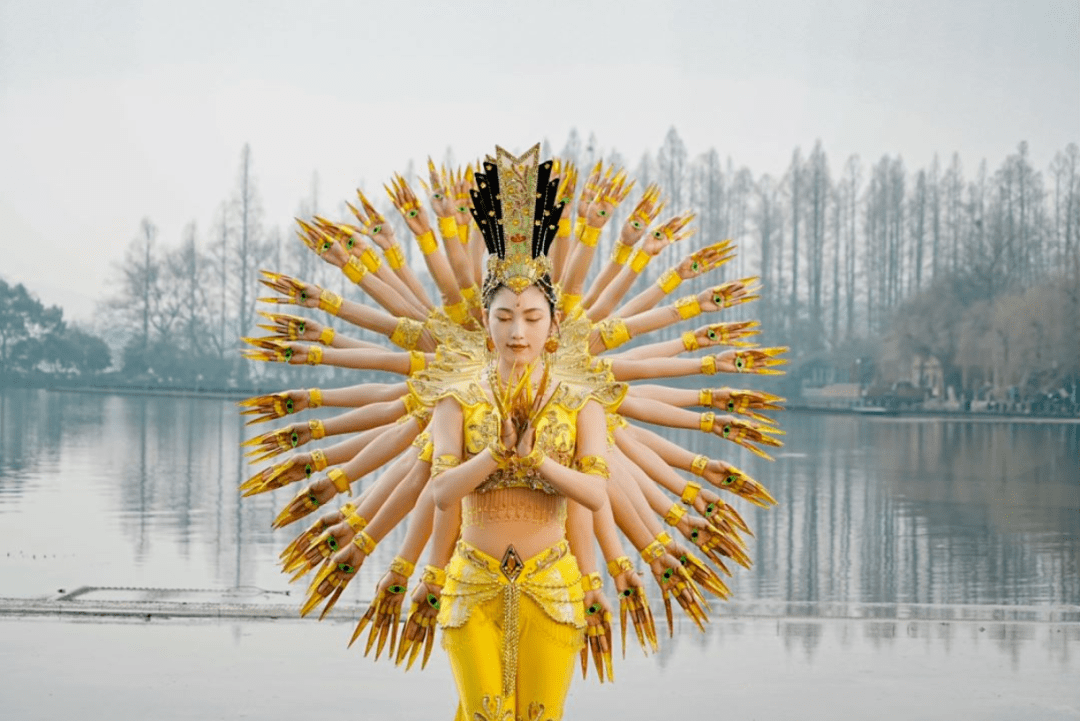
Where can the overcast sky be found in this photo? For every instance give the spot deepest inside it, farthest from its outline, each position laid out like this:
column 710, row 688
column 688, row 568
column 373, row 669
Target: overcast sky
column 111, row 112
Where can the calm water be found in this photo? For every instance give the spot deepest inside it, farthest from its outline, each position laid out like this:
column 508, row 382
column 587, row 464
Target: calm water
column 109, row 490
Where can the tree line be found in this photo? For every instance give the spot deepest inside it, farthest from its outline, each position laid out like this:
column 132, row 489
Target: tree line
column 980, row 271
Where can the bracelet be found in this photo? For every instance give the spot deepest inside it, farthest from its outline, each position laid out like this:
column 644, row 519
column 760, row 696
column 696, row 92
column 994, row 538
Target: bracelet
column 426, row 241
column 314, row 355
column 443, row 463
column 689, row 341
column 463, row 231
column 591, row 582
column 394, row 257
column 690, row 493
column 688, row 307
column 458, row 312
column 327, row 336
column 448, row 228
column 357, row 522
column 354, row 270
column 590, row 235
column 594, row 466
column 698, row 465
column 339, row 479
column 620, row 253
column 314, row 398
column 704, row 396
column 318, row 430
column 370, row 259
column 402, row 566
column 469, row 294
column 318, row 460
column 579, row 226
column 674, row 515
column 653, row 552
column 669, row 281
column 706, row 422
column 364, row 542
column 426, row 451
column 639, row 260
column 708, row 365
column 417, row 362
column 564, row 228
column 619, row 565
column 664, row 539
column 569, row 303
column 406, row 333
column 433, row 576
column 613, row 332
column 330, row 302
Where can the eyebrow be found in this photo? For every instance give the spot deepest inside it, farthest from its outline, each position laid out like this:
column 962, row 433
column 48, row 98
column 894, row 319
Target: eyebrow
column 505, row 309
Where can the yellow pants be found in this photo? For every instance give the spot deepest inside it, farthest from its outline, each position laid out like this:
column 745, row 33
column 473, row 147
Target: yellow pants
column 512, row 643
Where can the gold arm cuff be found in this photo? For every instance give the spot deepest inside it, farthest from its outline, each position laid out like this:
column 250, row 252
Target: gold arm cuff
column 653, row 552
column 426, row 452
column 406, row 333
column 330, row 302
column 688, row 307
column 704, row 396
column 339, row 479
column 579, row 226
column 690, row 493
column 370, row 259
column 463, row 232
column 417, row 362
column 402, row 566
column 364, row 542
column 592, row 582
column 314, row 398
column 327, row 336
column 639, row 260
column 458, row 312
column 469, row 294
column 318, row 430
column 664, row 539
column 354, row 270
column 394, row 257
column 674, row 515
column 357, row 522
column 590, row 236
column 669, row 281
column 314, row 355
column 448, row 228
column 621, row 253
column 318, row 459
column 427, row 243
column 564, row 228
column 619, row 565
column 699, row 464
column 708, row 365
column 569, row 303
column 434, row 576
column 707, row 421
column 689, row 340
column 443, row 463
column 613, row 332
column 594, row 466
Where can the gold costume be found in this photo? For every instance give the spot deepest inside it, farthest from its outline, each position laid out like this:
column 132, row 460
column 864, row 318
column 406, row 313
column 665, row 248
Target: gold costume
column 513, row 627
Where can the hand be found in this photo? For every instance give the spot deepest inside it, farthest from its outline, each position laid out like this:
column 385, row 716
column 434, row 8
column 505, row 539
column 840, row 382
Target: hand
column 670, row 232
column 437, row 193
column 329, row 542
column 300, row 465
column 634, row 603
column 746, row 402
column 751, row 360
column 461, row 183
column 372, row 223
column 675, row 581
column 332, row 579
column 524, row 445
column 725, row 476
column 323, row 239
column 385, row 611
column 291, row 327
column 642, row 216
column 597, row 635
column 727, row 334
column 727, row 295
column 705, row 259
column 747, row 434
column 277, row 442
column 296, row 292
column 273, row 406
column 714, row 543
column 306, row 501
column 301, row 543
column 703, row 575
column 420, row 628
column 405, row 201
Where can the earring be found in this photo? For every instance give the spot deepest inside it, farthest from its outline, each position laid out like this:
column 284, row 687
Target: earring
column 551, row 344
column 490, row 345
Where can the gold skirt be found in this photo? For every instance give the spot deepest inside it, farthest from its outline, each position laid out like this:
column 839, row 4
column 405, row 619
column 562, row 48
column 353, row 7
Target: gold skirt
column 512, row 631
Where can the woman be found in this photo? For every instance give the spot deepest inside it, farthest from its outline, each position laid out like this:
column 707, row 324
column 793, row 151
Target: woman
column 522, row 458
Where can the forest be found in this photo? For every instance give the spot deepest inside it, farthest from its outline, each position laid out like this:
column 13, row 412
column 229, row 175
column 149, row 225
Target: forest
column 976, row 270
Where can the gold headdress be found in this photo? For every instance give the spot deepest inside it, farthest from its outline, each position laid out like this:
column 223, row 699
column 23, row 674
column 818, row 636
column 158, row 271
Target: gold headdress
column 516, row 207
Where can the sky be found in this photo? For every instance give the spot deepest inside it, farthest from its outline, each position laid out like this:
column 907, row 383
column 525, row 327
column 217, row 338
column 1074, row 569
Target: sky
column 112, row 112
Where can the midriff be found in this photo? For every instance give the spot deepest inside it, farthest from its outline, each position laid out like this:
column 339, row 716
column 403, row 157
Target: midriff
column 531, row 521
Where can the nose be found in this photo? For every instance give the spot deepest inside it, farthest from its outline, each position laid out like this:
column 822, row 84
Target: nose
column 517, row 329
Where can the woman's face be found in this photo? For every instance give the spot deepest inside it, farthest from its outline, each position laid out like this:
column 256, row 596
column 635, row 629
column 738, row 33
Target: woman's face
column 519, row 324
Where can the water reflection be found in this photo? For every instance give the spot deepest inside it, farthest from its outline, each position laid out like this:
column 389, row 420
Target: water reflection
column 141, row 491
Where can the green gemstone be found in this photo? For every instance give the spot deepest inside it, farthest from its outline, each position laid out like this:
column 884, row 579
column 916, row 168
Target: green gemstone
column 593, row 609
column 350, row 243
column 294, row 437
column 288, row 354
column 694, row 266
column 668, row 573
column 289, row 406
column 308, row 470
column 346, row 568
column 710, row 509
column 301, row 327
column 683, row 559
column 729, row 480
column 731, row 405
column 727, row 431
column 712, row 334
column 694, row 534
column 303, row 295
column 313, row 500
column 332, row 543
column 628, row 593
column 376, row 229
column 396, row 589
column 433, row 601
